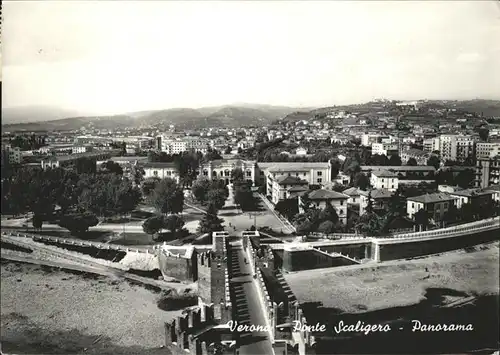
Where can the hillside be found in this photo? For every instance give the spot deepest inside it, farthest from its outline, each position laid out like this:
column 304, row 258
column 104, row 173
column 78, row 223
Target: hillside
column 12, row 115
column 183, row 118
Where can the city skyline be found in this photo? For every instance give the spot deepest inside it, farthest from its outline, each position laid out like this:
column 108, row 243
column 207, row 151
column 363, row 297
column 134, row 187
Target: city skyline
column 108, row 57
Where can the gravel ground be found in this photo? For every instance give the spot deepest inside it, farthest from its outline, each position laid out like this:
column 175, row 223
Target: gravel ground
column 54, row 312
column 400, row 283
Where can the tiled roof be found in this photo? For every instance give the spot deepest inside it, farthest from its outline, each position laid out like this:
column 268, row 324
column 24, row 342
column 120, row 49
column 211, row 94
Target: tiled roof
column 290, row 180
column 383, row 173
column 472, row 192
column 352, row 191
column 398, row 168
column 377, row 193
column 158, row 165
column 323, row 194
column 431, row 198
column 493, row 188
column 292, row 166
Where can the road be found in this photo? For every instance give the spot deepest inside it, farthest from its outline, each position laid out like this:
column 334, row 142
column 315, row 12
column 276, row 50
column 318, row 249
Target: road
column 248, row 306
column 236, row 218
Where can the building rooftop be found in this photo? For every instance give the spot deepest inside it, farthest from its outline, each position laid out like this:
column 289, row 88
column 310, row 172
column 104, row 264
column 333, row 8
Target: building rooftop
column 158, row 165
column 495, row 188
column 323, row 194
column 377, row 193
column 352, row 191
column 472, row 192
column 431, row 198
column 398, row 168
column 292, row 166
column 290, row 180
column 383, row 173
column 78, row 155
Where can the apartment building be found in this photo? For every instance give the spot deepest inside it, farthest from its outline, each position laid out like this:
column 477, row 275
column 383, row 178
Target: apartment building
column 456, row 147
column 420, row 156
column 383, row 179
column 387, row 149
column 173, row 145
column 486, row 150
column 488, row 171
column 11, row 155
column 436, row 204
column 380, row 199
column 278, row 187
column 368, row 139
column 316, row 173
column 319, row 199
column 431, row 144
column 479, row 198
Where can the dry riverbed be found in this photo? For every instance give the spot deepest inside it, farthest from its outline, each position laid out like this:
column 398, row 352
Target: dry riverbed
column 47, row 311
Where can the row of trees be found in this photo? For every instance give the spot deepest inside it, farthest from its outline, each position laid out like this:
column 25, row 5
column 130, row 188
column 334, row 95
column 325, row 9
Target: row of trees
column 314, row 219
column 64, row 192
column 28, row 142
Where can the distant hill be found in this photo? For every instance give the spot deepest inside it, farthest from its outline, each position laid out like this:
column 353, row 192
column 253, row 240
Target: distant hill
column 23, row 114
column 184, row 118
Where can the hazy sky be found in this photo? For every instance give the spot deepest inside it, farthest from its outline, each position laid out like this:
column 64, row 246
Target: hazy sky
column 112, row 57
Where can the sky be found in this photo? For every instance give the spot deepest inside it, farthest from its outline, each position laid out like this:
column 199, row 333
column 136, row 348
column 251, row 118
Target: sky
column 123, row 56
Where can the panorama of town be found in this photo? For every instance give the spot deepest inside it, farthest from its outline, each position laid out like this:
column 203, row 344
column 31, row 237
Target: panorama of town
column 293, row 236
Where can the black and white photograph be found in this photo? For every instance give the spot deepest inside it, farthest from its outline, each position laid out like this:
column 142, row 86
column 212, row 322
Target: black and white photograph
column 250, row 177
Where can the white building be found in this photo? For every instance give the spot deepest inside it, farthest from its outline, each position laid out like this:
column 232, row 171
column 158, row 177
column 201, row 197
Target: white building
column 319, row 199
column 487, row 150
column 160, row 171
column 368, row 139
column 383, row 179
column 12, row 155
column 387, row 149
column 436, row 204
column 456, row 147
column 431, row 144
column 354, row 195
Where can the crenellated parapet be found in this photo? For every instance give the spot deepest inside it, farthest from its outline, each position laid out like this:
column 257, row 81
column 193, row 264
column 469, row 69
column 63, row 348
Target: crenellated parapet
column 185, row 331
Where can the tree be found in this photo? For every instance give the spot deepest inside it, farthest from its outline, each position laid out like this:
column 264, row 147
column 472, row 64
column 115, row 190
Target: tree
column 78, row 223
column 412, row 162
column 397, row 205
column 167, row 197
column 237, row 175
column 370, row 224
column 217, row 197
column 37, row 221
column 451, row 215
column 361, row 181
column 467, row 213
column 210, row 222
column 228, row 150
column 112, row 167
column 200, row 189
column 326, row 227
column 434, row 161
column 305, row 227
column 422, row 218
column 394, row 160
column 483, row 133
column 212, row 154
column 329, row 214
column 465, row 178
column 380, row 160
column 149, row 185
column 173, row 223
column 287, row 208
column 153, row 225
column 240, row 150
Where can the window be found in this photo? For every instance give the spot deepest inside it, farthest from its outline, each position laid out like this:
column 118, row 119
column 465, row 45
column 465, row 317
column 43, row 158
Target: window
column 169, row 173
column 227, row 173
column 392, row 186
column 342, row 202
column 288, row 174
column 214, row 173
column 319, row 180
column 382, row 186
column 304, row 174
column 296, row 174
column 446, row 205
column 261, row 173
column 320, row 173
column 205, row 173
column 341, row 212
column 412, row 205
column 249, row 173
column 155, row 173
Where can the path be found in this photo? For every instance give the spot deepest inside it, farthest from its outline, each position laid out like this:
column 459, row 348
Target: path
column 236, row 218
column 248, row 305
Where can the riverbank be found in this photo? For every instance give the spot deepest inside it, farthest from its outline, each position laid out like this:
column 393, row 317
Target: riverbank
column 44, row 310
